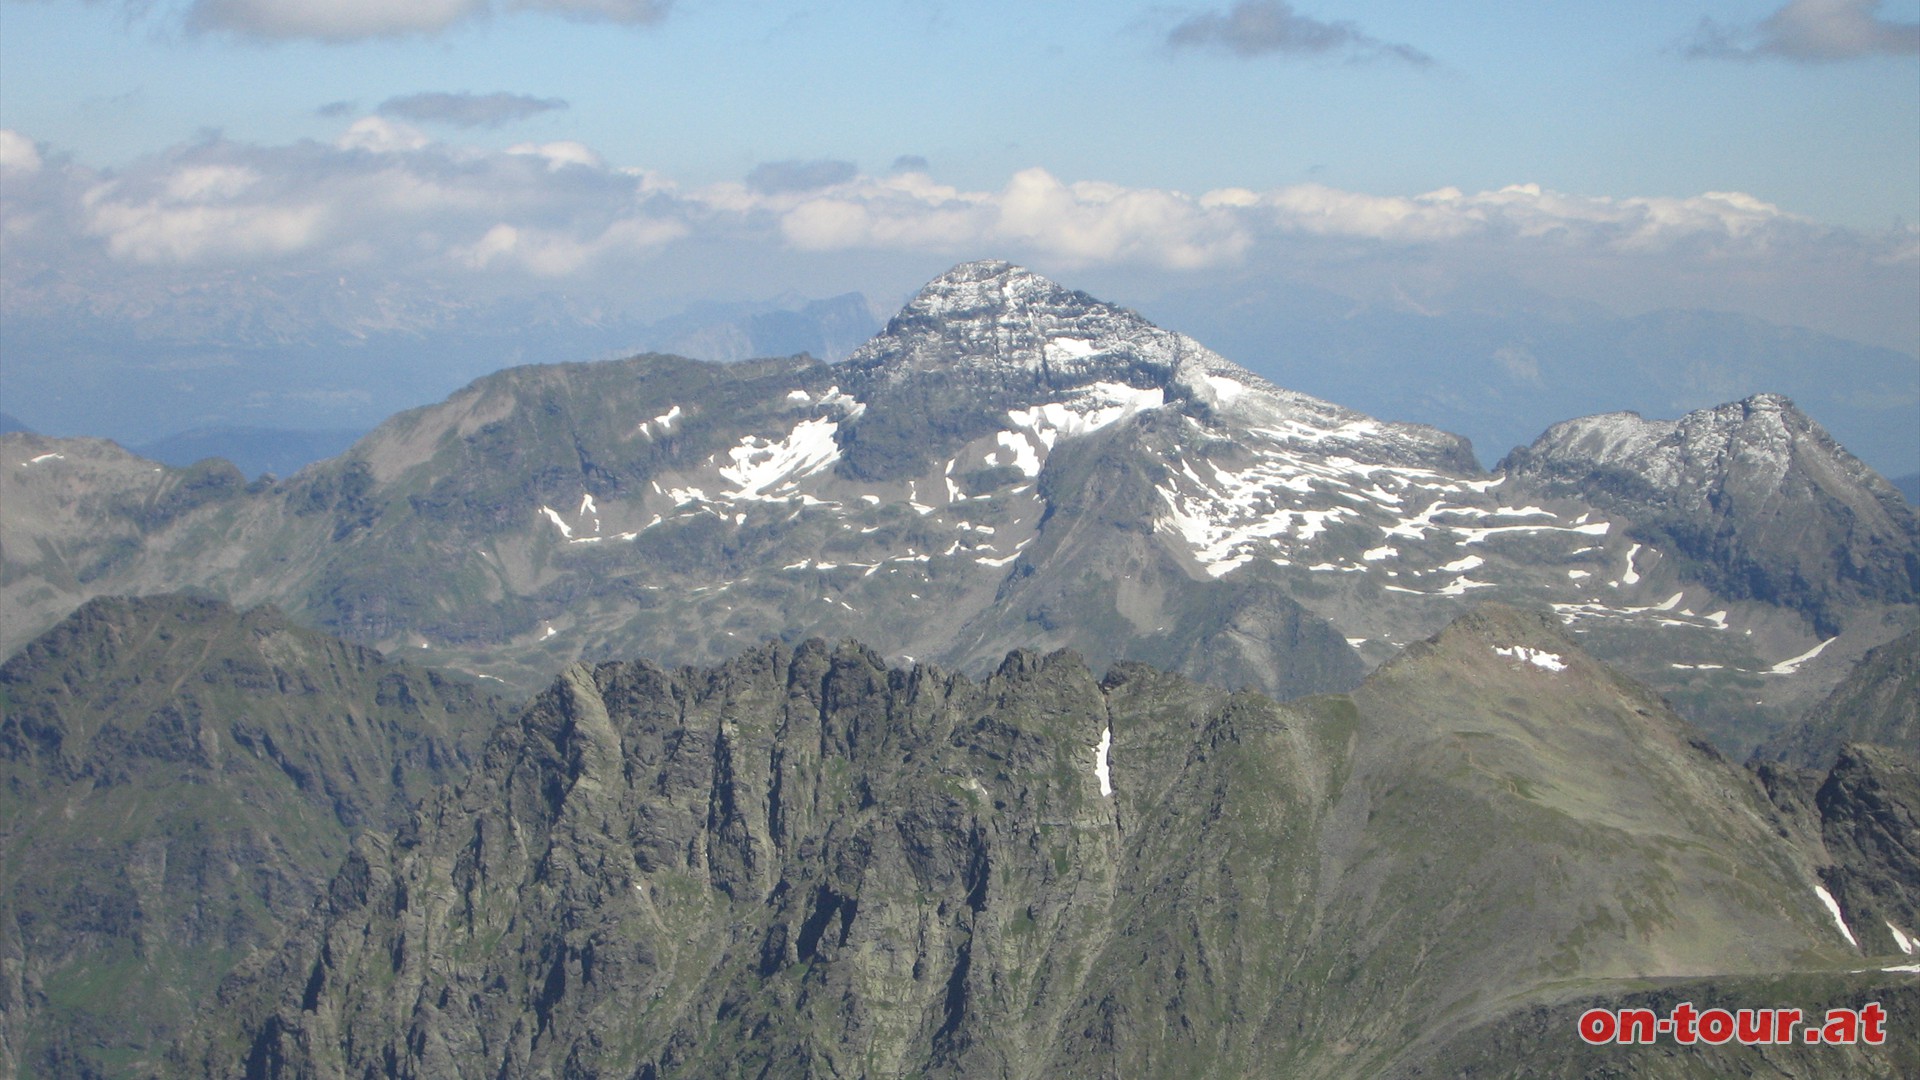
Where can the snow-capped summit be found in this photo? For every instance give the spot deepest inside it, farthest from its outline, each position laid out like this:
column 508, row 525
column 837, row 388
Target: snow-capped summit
column 1754, row 443
column 993, row 322
column 994, row 317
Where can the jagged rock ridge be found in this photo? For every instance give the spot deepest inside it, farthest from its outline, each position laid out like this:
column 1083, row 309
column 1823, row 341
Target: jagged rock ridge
column 804, row 863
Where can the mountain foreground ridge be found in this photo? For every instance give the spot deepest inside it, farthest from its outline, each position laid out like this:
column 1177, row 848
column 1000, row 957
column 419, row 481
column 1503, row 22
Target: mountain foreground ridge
column 804, row 862
column 178, row 782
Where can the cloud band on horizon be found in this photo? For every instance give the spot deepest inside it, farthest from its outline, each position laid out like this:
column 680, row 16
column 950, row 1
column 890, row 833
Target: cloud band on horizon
column 385, row 199
column 344, row 21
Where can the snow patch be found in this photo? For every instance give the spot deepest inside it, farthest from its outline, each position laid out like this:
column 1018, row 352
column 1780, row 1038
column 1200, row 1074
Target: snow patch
column 664, row 422
column 1833, row 907
column 1632, row 576
column 1384, row 552
column 1539, row 658
column 1092, row 408
column 850, row 406
column 1025, row 457
column 1100, row 770
column 566, row 530
column 1224, row 389
column 44, row 457
column 1792, row 666
column 1902, row 940
column 761, row 466
column 1066, row 348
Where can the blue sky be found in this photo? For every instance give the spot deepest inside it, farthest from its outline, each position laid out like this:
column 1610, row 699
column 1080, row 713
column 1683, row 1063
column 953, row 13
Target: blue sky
column 1759, row 157
column 1591, row 98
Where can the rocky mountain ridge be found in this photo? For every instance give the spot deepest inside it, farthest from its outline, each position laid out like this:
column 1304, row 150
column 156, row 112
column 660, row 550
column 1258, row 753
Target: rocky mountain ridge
column 1039, row 469
column 806, row 863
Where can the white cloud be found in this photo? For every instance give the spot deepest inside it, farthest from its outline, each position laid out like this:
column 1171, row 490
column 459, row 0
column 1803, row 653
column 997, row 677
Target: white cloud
column 560, row 154
column 384, row 199
column 1093, row 222
column 167, row 231
column 331, row 20
column 18, row 155
column 343, row 21
column 1100, row 222
column 557, row 208
column 1074, row 224
column 381, row 136
column 1529, row 213
column 550, row 254
column 210, row 182
column 1810, row 31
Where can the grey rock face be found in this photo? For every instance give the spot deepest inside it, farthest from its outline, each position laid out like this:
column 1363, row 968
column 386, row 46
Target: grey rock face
column 1878, row 702
column 804, row 863
column 178, row 782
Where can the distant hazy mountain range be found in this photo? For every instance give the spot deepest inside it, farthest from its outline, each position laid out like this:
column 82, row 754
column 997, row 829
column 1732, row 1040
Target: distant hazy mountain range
column 292, row 352
column 307, row 357
column 1499, row 368
column 254, row 451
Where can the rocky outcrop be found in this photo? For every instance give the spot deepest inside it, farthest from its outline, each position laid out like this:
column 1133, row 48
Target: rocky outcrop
column 1869, row 810
column 1878, row 702
column 178, row 781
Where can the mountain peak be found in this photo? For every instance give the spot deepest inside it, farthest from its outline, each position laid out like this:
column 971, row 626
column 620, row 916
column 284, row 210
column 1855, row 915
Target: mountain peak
column 1754, row 488
column 997, row 319
column 982, row 270
column 1759, row 440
